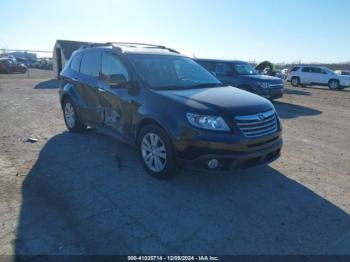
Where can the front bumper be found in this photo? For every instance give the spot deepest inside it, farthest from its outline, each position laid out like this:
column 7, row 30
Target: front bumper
column 271, row 93
column 240, row 154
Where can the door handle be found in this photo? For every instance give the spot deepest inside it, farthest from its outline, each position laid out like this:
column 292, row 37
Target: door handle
column 101, row 89
column 75, row 79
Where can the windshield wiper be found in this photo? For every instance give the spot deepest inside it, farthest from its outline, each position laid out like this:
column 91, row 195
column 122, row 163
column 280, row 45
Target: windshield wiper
column 206, row 85
column 175, row 87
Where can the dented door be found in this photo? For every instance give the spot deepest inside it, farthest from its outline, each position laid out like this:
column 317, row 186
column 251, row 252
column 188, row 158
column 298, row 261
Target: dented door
column 114, row 98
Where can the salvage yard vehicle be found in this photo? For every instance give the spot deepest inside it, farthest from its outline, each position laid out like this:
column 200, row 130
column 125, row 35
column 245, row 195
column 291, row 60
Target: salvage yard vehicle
column 343, row 72
column 170, row 107
column 244, row 76
column 8, row 66
column 317, row 75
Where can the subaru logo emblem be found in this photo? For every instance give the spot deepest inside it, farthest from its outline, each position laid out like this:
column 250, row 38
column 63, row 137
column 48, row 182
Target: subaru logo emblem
column 261, row 116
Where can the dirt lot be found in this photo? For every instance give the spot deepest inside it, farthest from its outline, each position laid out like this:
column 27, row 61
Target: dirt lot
column 87, row 194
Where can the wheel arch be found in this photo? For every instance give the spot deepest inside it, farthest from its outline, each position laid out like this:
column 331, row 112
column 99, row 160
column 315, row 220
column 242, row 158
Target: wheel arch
column 150, row 121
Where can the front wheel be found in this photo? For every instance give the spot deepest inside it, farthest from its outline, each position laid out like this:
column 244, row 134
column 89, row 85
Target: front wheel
column 156, row 151
column 333, row 84
column 71, row 118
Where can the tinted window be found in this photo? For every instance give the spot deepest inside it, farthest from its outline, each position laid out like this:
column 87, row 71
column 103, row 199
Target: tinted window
column 75, row 64
column 207, row 65
column 113, row 69
column 222, row 69
column 295, row 69
column 244, row 69
column 307, row 69
column 316, row 70
column 90, row 64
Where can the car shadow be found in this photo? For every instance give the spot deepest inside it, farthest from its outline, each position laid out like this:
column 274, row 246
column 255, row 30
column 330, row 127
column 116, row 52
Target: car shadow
column 325, row 88
column 48, row 84
column 87, row 194
column 287, row 110
column 296, row 92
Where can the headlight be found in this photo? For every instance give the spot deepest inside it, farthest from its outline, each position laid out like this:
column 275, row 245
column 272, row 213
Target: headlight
column 263, row 84
column 207, row 122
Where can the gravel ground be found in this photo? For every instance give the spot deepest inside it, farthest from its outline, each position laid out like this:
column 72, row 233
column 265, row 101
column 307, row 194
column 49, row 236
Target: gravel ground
column 88, row 194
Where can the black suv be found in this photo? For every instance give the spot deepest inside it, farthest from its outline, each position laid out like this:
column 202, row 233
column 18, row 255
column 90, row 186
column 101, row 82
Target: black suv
column 170, row 107
column 244, row 76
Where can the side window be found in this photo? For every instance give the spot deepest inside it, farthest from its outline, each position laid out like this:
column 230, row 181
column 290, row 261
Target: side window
column 295, row 69
column 113, row 71
column 222, row 69
column 306, row 70
column 75, row 64
column 316, row 70
column 207, row 65
column 90, row 64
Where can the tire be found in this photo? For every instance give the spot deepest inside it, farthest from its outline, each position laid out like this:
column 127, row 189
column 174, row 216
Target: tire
column 154, row 144
column 333, row 84
column 73, row 123
column 295, row 81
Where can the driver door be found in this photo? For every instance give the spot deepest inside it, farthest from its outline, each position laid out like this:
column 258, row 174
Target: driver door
column 113, row 92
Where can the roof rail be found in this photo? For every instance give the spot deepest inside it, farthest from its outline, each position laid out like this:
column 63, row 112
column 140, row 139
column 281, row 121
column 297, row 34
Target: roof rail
column 90, row 45
column 131, row 44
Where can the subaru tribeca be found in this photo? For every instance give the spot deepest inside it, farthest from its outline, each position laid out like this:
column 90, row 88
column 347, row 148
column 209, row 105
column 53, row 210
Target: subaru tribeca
column 170, row 107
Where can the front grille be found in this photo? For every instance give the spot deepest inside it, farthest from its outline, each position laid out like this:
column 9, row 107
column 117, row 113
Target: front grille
column 258, row 125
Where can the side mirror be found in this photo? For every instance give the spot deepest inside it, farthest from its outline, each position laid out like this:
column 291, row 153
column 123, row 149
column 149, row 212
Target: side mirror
column 213, row 73
column 117, row 80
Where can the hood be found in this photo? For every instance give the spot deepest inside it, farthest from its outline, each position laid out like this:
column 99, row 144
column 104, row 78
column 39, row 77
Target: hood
column 266, row 78
column 220, row 100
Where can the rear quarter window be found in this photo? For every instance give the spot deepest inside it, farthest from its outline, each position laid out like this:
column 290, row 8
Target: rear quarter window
column 90, row 64
column 75, row 64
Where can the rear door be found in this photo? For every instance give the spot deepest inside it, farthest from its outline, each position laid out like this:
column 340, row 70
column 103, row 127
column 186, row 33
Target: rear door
column 306, row 75
column 115, row 99
column 87, row 87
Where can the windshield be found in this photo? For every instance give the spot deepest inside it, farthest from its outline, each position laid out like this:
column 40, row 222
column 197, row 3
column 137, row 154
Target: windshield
column 244, row 69
column 172, row 72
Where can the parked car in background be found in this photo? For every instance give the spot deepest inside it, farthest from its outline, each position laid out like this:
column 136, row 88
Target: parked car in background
column 10, row 65
column 170, row 107
column 43, row 63
column 317, row 75
column 343, row 72
column 244, row 76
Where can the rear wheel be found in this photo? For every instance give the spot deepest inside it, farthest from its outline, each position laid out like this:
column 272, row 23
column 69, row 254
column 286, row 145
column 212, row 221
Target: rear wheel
column 71, row 119
column 333, row 84
column 295, row 81
column 156, row 151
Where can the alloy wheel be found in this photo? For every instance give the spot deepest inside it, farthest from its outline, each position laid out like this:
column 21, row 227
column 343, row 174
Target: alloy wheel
column 153, row 152
column 69, row 115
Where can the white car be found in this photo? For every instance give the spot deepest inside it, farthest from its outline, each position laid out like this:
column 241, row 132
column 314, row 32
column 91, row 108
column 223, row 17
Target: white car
column 317, row 75
column 343, row 72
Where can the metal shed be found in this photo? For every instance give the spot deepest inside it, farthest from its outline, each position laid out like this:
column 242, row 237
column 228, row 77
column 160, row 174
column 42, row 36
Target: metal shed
column 62, row 52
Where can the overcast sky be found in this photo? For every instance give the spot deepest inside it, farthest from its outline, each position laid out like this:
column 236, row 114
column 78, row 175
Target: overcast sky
column 279, row 31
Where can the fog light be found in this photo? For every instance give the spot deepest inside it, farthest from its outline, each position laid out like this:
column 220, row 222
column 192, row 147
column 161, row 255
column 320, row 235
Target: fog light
column 213, row 163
